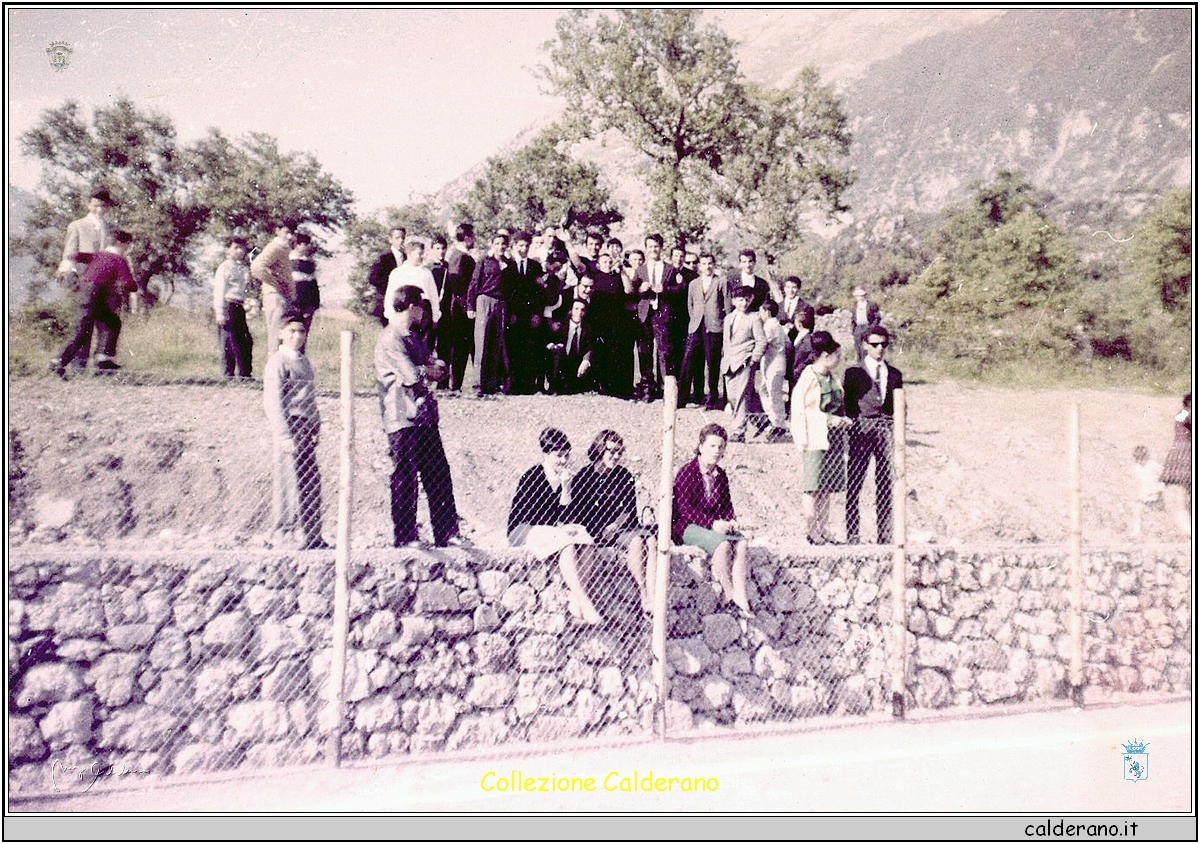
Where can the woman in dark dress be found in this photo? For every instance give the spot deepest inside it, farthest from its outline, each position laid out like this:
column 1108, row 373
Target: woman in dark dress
column 703, row 515
column 537, row 521
column 604, row 500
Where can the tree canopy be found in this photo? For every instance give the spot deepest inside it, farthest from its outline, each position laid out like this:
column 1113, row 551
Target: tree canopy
column 168, row 195
column 673, row 89
column 367, row 239
column 534, row 186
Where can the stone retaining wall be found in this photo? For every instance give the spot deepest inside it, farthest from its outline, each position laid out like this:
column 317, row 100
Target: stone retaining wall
column 176, row 664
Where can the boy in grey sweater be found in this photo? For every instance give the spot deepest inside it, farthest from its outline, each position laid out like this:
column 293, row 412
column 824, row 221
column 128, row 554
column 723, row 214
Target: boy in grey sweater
column 290, row 399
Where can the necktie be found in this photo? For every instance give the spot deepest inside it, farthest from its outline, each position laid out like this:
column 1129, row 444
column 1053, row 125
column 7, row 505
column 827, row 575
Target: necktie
column 573, row 346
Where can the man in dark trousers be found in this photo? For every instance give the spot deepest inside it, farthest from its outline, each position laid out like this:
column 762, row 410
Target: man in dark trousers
column 662, row 318
column 488, row 295
column 524, row 316
column 870, row 393
column 455, row 343
column 105, row 282
column 572, row 352
column 377, row 278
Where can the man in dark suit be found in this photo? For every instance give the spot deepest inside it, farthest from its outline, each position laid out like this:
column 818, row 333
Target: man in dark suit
column 662, row 306
column 524, row 316
column 571, row 353
column 455, row 341
column 490, row 289
column 746, row 278
column 864, row 315
column 870, row 393
column 377, row 278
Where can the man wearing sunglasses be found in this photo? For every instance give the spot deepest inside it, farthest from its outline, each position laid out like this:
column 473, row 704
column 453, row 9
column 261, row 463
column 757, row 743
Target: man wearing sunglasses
column 870, row 390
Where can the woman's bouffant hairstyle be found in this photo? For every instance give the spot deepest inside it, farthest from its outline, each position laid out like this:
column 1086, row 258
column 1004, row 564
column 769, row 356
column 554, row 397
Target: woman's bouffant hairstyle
column 552, row 439
column 596, row 449
column 823, row 343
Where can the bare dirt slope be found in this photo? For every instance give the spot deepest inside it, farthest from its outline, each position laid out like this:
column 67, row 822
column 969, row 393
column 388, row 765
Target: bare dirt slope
column 114, row 462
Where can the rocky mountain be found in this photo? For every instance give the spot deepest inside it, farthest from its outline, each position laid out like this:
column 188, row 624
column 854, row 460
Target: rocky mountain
column 1093, row 105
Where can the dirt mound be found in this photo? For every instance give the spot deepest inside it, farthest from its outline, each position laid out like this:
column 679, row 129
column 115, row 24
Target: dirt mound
column 114, row 462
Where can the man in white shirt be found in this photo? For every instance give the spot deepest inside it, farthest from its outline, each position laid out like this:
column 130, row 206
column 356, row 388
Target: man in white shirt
column 870, row 389
column 86, row 236
column 413, row 273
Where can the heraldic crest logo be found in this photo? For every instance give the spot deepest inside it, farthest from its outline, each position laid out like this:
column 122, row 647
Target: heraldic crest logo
column 60, row 55
column 1136, row 761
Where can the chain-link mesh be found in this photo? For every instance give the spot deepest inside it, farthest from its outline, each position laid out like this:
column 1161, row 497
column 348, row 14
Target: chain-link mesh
column 197, row 638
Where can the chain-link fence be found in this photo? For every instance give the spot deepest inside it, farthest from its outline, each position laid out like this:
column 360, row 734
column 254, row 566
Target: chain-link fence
column 187, row 629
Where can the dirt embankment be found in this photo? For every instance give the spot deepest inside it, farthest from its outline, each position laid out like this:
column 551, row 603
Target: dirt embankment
column 109, row 461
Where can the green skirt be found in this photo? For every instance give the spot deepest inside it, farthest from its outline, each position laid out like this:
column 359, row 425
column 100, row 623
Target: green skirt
column 824, row 471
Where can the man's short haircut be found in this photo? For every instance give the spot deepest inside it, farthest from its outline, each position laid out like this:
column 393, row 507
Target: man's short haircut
column 808, row 318
column 290, row 225
column 710, row 256
column 741, row 291
column 502, row 233
column 122, row 236
column 303, row 238
column 770, row 306
column 414, row 243
column 407, row 297
column 636, row 252
column 438, row 240
column 794, row 279
column 654, row 237
column 878, row 331
column 292, row 315
column 522, row 237
column 748, row 253
column 403, row 231
column 553, row 440
column 232, row 239
column 463, row 231
column 104, row 196
column 557, row 257
column 593, row 235
column 616, row 241
column 823, row 343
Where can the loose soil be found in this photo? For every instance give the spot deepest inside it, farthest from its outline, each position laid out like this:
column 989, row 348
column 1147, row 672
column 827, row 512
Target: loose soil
column 108, row 461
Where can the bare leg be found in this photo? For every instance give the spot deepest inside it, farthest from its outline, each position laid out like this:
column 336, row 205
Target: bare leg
column 738, row 578
column 575, row 565
column 821, row 516
column 808, row 504
column 636, row 560
column 722, row 561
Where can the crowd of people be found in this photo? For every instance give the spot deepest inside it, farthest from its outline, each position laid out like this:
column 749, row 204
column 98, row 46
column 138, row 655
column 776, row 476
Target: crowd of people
column 540, row 313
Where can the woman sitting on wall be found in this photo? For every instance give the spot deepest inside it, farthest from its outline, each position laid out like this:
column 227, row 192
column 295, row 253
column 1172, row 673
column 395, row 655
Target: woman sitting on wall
column 702, row 515
column 537, row 521
column 605, row 502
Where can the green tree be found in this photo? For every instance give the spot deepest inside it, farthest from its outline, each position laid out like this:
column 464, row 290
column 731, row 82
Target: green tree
column 168, row 195
column 1004, row 281
column 367, row 239
column 1162, row 251
column 134, row 154
column 673, row 89
column 535, row 186
column 250, row 186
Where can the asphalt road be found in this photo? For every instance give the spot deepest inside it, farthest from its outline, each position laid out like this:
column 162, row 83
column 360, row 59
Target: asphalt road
column 1048, row 763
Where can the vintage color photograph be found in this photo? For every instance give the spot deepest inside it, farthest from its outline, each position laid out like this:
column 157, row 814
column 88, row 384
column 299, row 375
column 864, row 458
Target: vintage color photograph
column 537, row 410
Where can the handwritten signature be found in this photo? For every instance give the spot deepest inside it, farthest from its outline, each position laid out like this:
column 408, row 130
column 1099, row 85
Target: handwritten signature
column 63, row 774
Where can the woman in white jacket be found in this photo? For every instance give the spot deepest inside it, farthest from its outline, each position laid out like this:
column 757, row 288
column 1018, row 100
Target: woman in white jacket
column 818, row 410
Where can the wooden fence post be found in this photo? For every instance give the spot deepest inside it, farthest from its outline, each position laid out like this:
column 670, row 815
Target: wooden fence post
column 1075, row 553
column 341, row 589
column 899, row 556
column 662, row 578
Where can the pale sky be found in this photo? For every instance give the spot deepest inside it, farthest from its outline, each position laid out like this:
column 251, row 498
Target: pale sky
column 391, row 101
